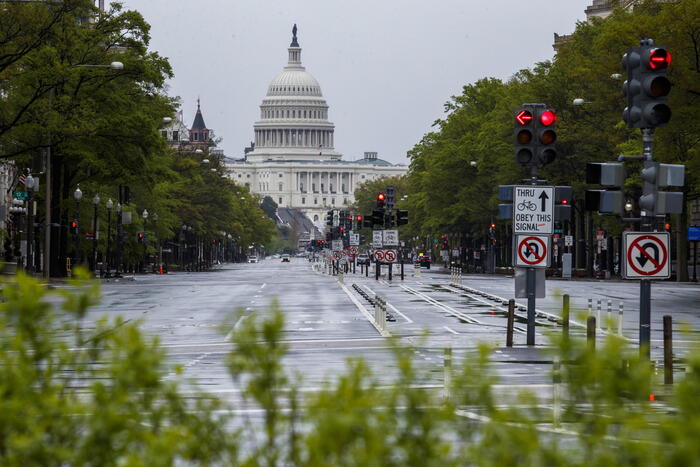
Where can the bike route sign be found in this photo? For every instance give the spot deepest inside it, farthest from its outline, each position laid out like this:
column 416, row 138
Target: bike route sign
column 646, row 255
column 532, row 251
column 533, row 209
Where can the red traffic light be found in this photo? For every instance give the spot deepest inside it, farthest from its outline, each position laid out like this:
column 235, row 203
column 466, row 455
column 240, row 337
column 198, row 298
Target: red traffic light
column 140, row 235
column 523, row 117
column 493, row 226
column 667, row 226
column 548, row 117
column 659, row 59
column 381, row 197
column 564, row 201
column 74, row 224
column 359, row 218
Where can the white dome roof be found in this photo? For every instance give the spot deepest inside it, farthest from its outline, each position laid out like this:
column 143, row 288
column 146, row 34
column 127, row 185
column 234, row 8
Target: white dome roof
column 294, row 82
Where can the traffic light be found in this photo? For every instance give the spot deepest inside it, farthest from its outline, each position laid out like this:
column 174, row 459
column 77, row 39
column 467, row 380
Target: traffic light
column 401, row 217
column 667, row 227
column 546, row 135
column 388, row 220
column 74, row 227
column 524, row 138
column 390, row 197
column 329, row 236
column 359, row 222
column 646, row 86
column 329, row 218
column 381, row 199
column 141, row 237
column 563, row 195
column 492, row 232
column 607, row 174
column 443, row 243
column 377, row 217
column 655, row 175
column 368, row 221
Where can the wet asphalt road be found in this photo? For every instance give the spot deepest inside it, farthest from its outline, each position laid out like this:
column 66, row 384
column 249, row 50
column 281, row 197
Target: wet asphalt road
column 327, row 323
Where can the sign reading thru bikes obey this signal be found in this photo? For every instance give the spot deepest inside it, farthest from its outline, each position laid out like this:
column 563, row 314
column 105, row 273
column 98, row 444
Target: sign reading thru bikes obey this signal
column 646, row 255
column 533, row 209
column 532, row 251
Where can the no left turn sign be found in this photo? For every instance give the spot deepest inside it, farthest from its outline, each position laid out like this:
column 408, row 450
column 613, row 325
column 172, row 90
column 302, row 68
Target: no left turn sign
column 390, row 256
column 646, row 255
column 533, row 251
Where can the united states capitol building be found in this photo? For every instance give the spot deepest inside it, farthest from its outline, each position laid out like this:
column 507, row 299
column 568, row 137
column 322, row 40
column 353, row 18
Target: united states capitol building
column 293, row 158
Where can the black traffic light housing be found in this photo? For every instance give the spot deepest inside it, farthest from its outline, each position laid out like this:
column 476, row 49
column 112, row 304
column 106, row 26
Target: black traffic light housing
column 381, row 199
column 535, row 135
column 74, row 227
column 401, row 217
column 646, row 86
column 329, row 218
column 546, row 135
column 524, row 136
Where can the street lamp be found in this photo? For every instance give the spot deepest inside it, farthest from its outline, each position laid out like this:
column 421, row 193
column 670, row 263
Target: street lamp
column 119, row 239
column 144, row 214
column 29, row 184
column 77, row 194
column 109, row 204
column 95, row 202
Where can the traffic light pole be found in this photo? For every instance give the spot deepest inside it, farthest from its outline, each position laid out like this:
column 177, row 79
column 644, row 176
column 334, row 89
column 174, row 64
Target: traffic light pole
column 531, row 284
column 647, row 219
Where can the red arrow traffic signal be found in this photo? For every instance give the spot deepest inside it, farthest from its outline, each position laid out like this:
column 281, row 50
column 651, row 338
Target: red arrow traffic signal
column 523, row 117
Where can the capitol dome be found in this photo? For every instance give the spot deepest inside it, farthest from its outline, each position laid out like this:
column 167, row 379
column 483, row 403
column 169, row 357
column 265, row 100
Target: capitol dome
column 293, row 121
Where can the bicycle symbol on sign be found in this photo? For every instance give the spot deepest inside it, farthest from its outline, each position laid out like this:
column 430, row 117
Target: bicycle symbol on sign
column 529, row 205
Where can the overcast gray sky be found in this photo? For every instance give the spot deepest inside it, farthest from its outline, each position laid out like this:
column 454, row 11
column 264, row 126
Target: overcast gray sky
column 386, row 67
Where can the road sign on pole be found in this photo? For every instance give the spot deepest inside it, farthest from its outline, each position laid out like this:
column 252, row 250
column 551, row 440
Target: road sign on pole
column 377, row 239
column 533, row 209
column 390, row 256
column 646, row 255
column 337, row 245
column 391, row 238
column 354, row 239
column 379, row 255
column 532, row 251
column 20, row 195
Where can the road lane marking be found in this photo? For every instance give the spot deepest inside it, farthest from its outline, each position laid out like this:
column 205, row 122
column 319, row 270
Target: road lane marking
column 263, row 286
column 235, row 326
column 451, row 330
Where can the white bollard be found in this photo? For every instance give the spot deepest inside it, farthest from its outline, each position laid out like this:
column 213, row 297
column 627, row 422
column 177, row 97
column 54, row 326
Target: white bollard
column 609, row 315
column 598, row 315
column 619, row 319
column 590, row 307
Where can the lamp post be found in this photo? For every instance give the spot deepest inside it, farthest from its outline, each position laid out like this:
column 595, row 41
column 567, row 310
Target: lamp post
column 144, row 214
column 108, row 253
column 29, row 184
column 182, row 246
column 77, row 194
column 119, row 241
column 95, row 203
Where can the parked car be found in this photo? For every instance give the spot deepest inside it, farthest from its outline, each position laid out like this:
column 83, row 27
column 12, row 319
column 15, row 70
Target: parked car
column 423, row 261
column 252, row 259
column 362, row 258
column 285, row 259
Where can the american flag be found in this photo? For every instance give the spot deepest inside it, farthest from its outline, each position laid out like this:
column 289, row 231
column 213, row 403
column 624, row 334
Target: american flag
column 22, row 179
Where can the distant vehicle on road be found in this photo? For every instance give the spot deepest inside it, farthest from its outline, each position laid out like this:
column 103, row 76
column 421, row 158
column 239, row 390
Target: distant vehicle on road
column 285, row 258
column 423, row 261
column 252, row 259
column 362, row 258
